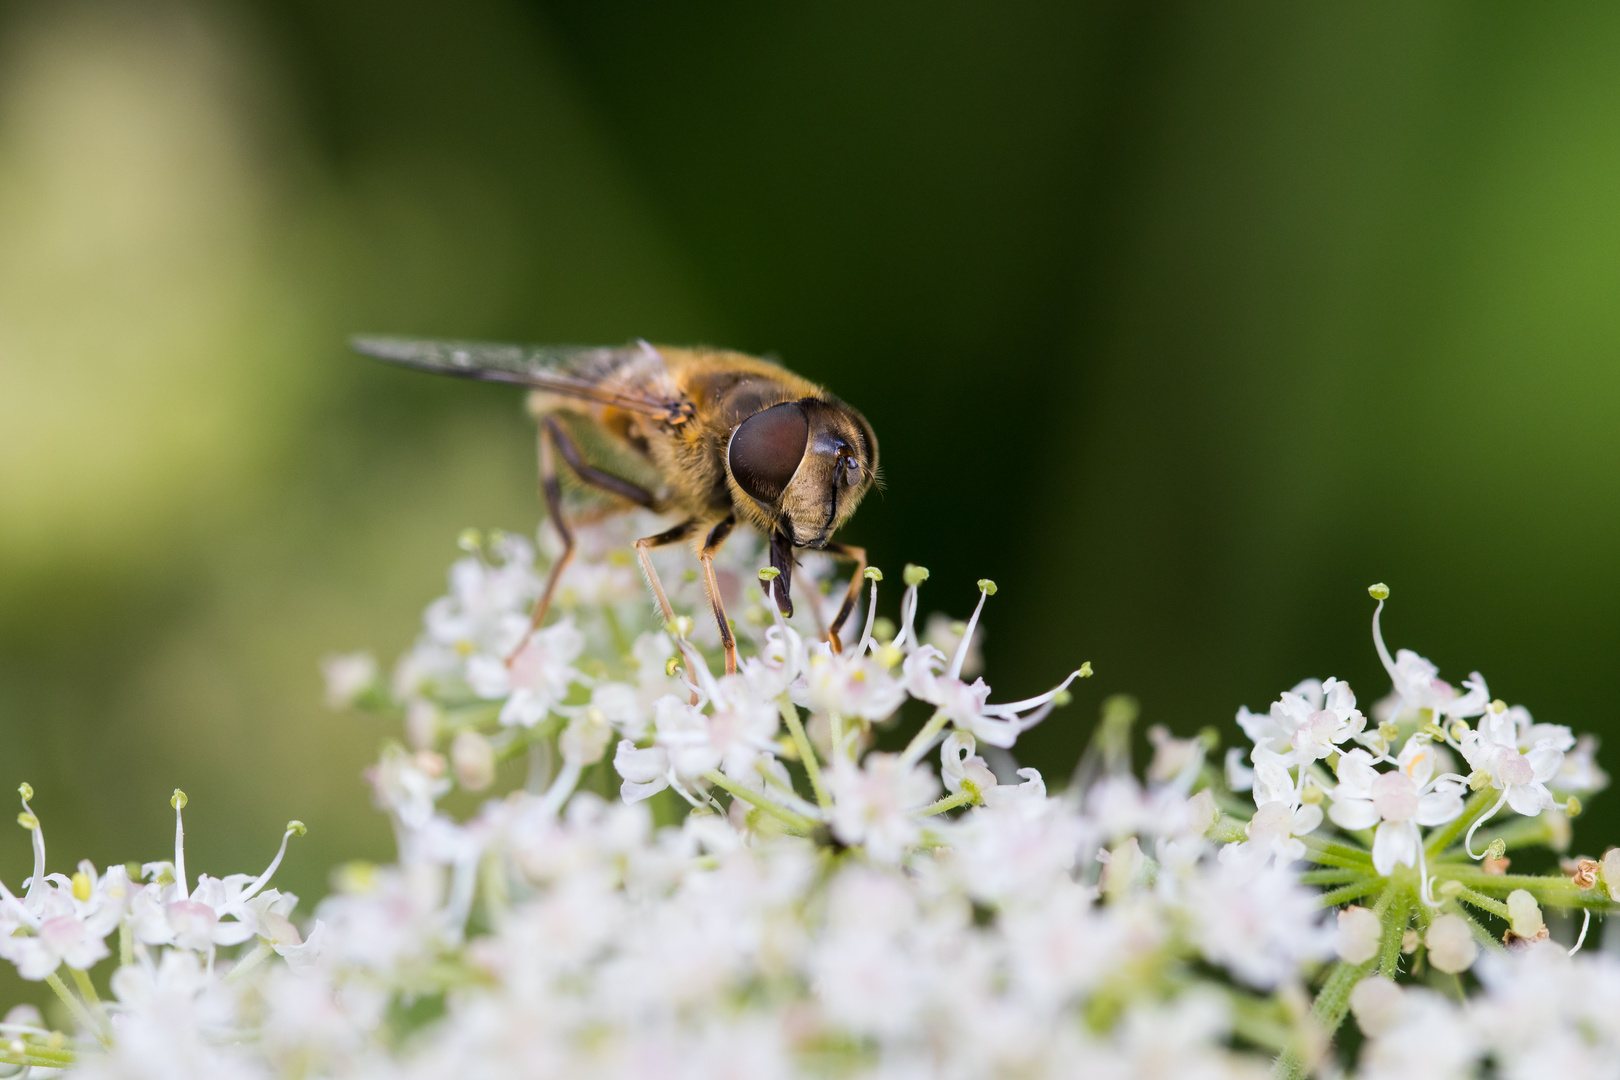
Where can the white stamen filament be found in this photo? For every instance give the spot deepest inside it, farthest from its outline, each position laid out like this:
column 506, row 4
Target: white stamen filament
column 960, row 658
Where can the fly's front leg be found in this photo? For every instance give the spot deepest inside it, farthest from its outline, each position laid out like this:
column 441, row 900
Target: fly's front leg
column 858, row 557
column 711, row 547
column 663, row 539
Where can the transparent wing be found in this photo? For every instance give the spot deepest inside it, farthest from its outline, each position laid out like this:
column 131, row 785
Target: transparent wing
column 629, row 377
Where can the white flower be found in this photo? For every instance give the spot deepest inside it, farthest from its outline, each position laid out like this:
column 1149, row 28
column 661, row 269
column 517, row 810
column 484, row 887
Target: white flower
column 1493, row 748
column 958, row 762
column 538, row 677
column 1418, row 684
column 348, row 676
column 968, row 705
column 1310, row 720
column 407, row 785
column 875, row 803
column 645, row 771
column 1397, row 802
column 851, row 685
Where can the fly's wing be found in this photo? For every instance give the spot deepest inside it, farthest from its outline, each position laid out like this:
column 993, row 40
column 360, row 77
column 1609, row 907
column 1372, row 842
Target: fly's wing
column 630, row 377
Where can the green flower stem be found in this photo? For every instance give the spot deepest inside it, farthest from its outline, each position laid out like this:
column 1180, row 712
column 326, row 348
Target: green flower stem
column 1228, row 830
column 797, row 822
column 1354, row 890
column 950, row 802
column 1485, row 938
column 1558, row 891
column 1478, row 803
column 1395, row 919
column 1333, row 853
column 807, row 753
column 919, row 742
column 1334, row 876
column 77, row 1008
column 43, row 1057
column 1333, row 1000
column 1484, row 903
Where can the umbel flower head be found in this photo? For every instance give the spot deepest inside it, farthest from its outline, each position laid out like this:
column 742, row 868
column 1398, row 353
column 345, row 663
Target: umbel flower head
column 831, row 864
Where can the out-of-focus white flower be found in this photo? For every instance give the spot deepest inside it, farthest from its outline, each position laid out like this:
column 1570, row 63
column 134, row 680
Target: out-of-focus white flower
column 851, row 685
column 1376, row 1003
column 968, row 706
column 473, row 759
column 348, row 676
column 407, row 785
column 1493, row 748
column 1310, row 720
column 875, row 803
column 958, row 762
column 536, row 679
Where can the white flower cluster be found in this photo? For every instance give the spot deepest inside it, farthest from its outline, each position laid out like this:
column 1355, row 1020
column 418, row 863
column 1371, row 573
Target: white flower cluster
column 757, row 875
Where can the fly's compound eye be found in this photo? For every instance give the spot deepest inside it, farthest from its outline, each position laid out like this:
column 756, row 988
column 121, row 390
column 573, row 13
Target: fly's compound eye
column 766, row 449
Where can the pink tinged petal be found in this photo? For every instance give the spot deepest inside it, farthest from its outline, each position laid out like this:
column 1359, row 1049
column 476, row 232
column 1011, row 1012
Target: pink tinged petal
column 1529, row 799
column 1513, row 769
column 1353, row 813
column 1394, row 844
column 1395, row 796
column 192, row 924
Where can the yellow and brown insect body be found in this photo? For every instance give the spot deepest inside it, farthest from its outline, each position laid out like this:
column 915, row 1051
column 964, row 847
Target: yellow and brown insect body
column 715, row 436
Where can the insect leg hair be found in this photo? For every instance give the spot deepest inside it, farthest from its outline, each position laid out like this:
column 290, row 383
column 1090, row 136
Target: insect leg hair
column 858, row 556
column 711, row 547
column 646, row 544
column 553, row 491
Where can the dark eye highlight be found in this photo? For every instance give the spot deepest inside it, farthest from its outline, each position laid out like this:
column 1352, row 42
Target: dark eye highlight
column 766, row 450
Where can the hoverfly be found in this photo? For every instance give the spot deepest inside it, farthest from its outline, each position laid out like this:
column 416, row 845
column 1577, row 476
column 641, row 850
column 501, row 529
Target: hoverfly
column 723, row 438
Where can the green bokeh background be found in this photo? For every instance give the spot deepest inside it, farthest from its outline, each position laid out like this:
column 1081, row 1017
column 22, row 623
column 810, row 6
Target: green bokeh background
column 1183, row 322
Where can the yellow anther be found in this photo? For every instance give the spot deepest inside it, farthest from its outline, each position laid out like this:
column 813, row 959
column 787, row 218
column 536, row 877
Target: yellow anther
column 81, row 886
column 873, row 574
column 769, row 573
column 28, row 821
column 887, row 655
column 1379, row 591
column 671, row 666
column 1479, row 780
column 178, row 800
column 1497, row 849
column 1572, row 807
column 1085, row 670
column 297, row 828
column 470, row 541
column 26, row 790
column 914, row 574
column 987, row 586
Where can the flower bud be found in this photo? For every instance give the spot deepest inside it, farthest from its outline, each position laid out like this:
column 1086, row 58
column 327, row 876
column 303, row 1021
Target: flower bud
column 1610, row 872
column 1524, row 914
column 473, row 759
column 1451, row 943
column 1359, row 932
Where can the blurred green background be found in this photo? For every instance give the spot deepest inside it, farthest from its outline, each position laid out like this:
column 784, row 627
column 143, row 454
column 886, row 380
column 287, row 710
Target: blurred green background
column 1183, row 322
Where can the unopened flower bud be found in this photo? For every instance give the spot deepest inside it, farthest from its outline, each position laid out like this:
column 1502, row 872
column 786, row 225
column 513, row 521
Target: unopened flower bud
column 1524, row 915
column 1379, row 591
column 1358, row 935
column 1410, row 942
column 473, row 758
column 1610, row 872
column 1451, row 943
column 914, row 574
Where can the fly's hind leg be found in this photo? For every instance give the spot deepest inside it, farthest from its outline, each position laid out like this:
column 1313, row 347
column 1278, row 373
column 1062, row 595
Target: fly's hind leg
column 858, row 557
column 554, row 437
column 663, row 539
column 711, row 547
